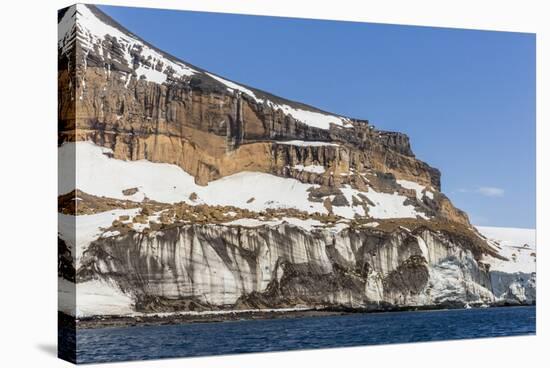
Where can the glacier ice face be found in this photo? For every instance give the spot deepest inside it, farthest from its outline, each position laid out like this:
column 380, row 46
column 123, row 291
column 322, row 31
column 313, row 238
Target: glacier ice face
column 227, row 266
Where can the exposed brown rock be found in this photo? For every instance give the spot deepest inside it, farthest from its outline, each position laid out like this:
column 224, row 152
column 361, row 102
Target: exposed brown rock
column 79, row 203
column 328, row 205
column 196, row 123
column 130, row 191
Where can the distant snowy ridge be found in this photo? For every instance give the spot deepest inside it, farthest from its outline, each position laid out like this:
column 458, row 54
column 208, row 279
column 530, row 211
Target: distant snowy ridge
column 516, row 244
column 510, row 236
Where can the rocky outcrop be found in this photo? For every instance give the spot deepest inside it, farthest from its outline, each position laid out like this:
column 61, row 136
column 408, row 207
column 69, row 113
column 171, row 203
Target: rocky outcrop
column 199, row 135
column 198, row 123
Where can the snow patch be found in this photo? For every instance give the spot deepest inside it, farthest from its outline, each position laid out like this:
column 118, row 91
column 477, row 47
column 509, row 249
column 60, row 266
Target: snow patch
column 516, row 244
column 252, row 222
column 391, row 206
column 307, row 224
column 316, row 169
column 314, row 119
column 268, row 191
column 109, row 234
column 386, row 205
column 95, row 297
column 510, row 236
column 307, row 143
column 420, row 190
column 100, row 297
column 231, row 86
column 308, row 117
column 79, row 231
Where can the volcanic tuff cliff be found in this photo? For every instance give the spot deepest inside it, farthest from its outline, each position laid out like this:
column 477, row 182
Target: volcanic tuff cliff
column 192, row 191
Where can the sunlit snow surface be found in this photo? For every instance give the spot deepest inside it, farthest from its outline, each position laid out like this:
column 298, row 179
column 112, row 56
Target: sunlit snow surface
column 518, row 245
column 307, row 225
column 100, row 175
column 307, row 143
column 94, row 297
column 420, row 190
column 317, row 169
column 88, row 228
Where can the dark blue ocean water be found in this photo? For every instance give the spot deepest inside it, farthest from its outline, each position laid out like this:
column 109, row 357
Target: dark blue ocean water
column 155, row 342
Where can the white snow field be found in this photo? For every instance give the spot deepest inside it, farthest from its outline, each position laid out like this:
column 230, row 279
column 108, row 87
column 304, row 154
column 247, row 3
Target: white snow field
column 88, row 228
column 420, row 190
column 101, row 298
column 100, row 175
column 95, row 297
column 517, row 245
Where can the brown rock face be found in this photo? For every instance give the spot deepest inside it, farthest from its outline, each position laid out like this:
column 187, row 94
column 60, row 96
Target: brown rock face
column 211, row 131
column 211, row 135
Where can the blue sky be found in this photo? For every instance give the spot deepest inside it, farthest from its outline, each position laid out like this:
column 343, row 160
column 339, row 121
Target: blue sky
column 466, row 98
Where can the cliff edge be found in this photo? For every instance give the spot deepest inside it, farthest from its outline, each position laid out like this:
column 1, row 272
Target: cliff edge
column 181, row 190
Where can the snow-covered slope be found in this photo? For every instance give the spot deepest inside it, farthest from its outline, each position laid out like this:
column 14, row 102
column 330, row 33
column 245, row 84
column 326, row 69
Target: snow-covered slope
column 513, row 280
column 510, row 236
column 100, row 175
column 79, row 231
column 516, row 244
column 94, row 297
